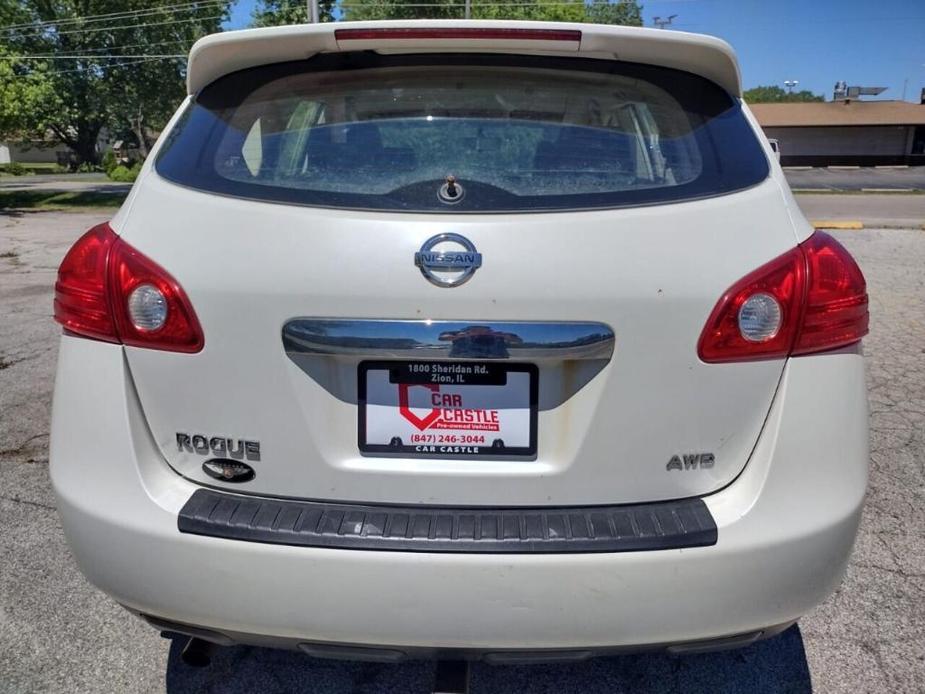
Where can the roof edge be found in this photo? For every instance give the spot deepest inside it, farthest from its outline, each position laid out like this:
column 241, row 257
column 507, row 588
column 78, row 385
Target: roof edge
column 887, row 113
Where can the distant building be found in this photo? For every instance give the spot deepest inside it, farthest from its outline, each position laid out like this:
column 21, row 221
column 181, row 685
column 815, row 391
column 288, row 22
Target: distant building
column 33, row 152
column 847, row 132
column 46, row 151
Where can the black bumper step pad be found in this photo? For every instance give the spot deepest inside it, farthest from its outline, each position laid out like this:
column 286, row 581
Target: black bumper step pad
column 514, row 530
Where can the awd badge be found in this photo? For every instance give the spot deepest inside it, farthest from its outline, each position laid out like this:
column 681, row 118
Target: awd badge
column 691, row 461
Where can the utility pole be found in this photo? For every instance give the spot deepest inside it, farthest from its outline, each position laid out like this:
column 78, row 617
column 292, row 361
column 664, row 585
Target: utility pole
column 661, row 23
column 313, row 11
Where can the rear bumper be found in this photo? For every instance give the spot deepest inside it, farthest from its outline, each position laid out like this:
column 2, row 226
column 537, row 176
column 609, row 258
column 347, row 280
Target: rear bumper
column 786, row 528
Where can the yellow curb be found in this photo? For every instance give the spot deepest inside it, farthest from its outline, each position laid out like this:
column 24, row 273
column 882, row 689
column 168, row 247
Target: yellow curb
column 837, row 224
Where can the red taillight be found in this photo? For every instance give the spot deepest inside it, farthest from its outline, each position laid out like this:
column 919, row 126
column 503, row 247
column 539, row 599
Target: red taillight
column 782, row 278
column 836, row 297
column 458, row 33
column 822, row 300
column 95, row 282
column 81, row 299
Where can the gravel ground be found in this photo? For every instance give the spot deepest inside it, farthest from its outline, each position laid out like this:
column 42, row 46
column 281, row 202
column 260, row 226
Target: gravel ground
column 58, row 634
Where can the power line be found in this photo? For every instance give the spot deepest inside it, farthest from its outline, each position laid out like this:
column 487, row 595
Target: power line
column 57, row 56
column 112, row 16
column 109, row 16
column 129, row 26
column 99, row 67
column 105, row 50
column 178, row 42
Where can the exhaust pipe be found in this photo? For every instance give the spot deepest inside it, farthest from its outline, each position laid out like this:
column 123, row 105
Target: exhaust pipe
column 198, row 652
column 451, row 677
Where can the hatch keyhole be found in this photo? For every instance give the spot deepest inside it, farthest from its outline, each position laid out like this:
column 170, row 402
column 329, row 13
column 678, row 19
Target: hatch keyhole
column 451, row 191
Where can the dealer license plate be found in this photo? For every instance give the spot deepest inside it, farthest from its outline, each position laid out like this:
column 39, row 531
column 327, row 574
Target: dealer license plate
column 447, row 409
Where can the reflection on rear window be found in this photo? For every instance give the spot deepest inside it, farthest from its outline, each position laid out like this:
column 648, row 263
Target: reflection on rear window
column 516, row 133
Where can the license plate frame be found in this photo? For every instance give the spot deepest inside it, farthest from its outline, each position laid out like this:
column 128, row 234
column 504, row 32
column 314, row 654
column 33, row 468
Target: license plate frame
column 483, row 374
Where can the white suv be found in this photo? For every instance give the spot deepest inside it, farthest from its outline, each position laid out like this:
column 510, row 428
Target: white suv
column 469, row 339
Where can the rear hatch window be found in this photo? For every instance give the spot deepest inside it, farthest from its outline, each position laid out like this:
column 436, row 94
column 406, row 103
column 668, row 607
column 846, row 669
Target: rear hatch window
column 463, row 133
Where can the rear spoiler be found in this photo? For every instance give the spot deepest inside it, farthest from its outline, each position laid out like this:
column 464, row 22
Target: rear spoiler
column 221, row 54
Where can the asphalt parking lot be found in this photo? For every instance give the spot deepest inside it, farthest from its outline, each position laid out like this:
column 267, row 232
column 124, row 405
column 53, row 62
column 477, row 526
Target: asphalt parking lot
column 58, row 634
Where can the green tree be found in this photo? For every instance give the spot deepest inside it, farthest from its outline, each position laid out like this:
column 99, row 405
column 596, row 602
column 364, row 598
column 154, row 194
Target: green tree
column 772, row 94
column 75, row 67
column 600, row 11
column 604, row 12
column 355, row 10
column 22, row 95
column 270, row 13
column 561, row 11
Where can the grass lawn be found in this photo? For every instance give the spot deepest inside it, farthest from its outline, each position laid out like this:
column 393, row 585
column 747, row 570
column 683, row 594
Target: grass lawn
column 50, row 200
column 42, row 167
column 37, row 168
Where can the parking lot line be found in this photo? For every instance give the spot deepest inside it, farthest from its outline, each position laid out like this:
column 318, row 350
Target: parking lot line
column 837, row 224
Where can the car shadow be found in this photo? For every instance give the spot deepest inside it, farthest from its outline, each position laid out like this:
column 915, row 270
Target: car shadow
column 775, row 666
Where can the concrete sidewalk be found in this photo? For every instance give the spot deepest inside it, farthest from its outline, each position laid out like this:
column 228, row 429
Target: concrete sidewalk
column 75, row 183
column 856, row 178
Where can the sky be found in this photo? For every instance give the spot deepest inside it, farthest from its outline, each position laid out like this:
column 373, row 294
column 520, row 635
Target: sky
column 816, row 42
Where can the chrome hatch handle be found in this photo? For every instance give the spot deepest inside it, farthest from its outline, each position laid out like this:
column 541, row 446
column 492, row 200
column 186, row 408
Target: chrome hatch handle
column 441, row 339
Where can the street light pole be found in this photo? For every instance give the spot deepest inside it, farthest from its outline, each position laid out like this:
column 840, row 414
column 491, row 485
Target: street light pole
column 313, row 11
column 468, row 9
column 662, row 23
